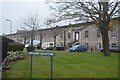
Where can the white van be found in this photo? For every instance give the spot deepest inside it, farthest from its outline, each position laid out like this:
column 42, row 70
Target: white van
column 46, row 45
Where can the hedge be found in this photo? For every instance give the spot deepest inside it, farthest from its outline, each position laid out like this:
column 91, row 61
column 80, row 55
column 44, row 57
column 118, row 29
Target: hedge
column 15, row 46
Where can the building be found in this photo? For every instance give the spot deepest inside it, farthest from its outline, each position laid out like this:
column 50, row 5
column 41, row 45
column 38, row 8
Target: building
column 85, row 33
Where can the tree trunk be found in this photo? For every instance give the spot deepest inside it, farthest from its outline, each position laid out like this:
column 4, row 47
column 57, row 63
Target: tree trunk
column 64, row 39
column 54, row 41
column 105, row 42
column 105, row 38
column 104, row 29
column 40, row 41
column 32, row 32
column 24, row 40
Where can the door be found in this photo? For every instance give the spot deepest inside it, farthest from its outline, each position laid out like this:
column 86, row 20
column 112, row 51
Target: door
column 77, row 34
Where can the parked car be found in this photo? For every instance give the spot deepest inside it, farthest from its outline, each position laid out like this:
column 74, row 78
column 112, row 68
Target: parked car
column 76, row 43
column 78, row 48
column 113, row 49
column 46, row 45
column 50, row 48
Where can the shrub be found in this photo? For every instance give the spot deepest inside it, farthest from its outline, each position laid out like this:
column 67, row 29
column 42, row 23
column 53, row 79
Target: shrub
column 15, row 46
column 25, row 50
column 19, row 55
column 12, row 56
column 30, row 48
column 9, row 53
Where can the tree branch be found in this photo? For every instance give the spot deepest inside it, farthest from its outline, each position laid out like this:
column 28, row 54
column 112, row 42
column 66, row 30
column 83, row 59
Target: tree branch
column 117, row 3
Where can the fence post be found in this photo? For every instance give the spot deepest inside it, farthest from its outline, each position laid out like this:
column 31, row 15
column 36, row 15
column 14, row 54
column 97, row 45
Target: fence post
column 51, row 69
column 31, row 67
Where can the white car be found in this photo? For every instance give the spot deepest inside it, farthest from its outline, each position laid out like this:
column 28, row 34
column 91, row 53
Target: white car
column 47, row 45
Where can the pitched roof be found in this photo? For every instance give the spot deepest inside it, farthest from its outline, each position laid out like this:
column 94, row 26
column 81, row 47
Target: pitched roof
column 5, row 39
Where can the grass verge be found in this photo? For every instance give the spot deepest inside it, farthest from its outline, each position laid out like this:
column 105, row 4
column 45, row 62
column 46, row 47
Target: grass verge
column 67, row 65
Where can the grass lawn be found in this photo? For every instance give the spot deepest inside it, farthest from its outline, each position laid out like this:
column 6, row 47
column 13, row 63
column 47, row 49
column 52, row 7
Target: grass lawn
column 67, row 65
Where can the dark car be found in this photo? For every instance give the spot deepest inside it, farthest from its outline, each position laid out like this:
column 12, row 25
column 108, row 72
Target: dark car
column 50, row 48
column 113, row 49
column 78, row 48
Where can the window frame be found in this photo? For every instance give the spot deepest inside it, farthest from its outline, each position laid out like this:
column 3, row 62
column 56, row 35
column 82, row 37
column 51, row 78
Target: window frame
column 86, row 34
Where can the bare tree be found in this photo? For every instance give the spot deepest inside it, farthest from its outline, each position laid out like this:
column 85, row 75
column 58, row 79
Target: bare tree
column 32, row 23
column 98, row 12
column 41, row 34
column 54, row 31
column 25, row 36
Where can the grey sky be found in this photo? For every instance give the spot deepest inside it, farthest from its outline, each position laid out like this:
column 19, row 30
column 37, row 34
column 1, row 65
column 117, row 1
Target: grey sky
column 18, row 11
column 0, row 18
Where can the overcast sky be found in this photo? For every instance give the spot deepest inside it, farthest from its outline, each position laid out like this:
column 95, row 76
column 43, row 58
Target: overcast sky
column 18, row 10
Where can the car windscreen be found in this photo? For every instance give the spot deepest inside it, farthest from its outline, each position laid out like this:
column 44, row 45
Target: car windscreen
column 76, row 46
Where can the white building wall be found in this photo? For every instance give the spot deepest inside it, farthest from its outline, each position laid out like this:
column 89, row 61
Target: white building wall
column 92, row 40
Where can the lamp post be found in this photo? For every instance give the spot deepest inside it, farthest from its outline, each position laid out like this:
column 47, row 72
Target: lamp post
column 10, row 25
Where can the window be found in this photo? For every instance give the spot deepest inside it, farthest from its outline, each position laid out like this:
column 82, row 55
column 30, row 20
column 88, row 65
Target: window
column 68, row 35
column 68, row 45
column 114, row 44
column 86, row 45
column 86, row 34
column 61, row 44
column 98, row 33
column 99, row 45
column 114, row 33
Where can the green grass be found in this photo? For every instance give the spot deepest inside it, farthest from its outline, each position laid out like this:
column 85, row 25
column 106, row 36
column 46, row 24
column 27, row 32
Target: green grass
column 67, row 65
